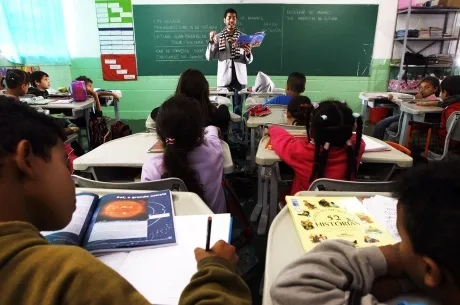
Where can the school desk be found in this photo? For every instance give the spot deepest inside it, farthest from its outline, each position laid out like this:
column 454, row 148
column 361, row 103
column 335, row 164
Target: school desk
column 276, row 92
column 412, row 112
column 278, row 116
column 122, row 159
column 71, row 138
column 367, row 101
column 256, row 100
column 267, row 206
column 221, row 91
column 109, row 101
column 284, row 246
column 220, row 100
column 185, row 203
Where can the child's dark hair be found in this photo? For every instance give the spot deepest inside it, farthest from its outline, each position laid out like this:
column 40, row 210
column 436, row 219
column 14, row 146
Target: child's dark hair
column 428, row 195
column 331, row 124
column 180, row 127
column 230, row 11
column 15, row 78
column 297, row 109
column 18, row 122
column 433, row 81
column 193, row 84
column 85, row 79
column 296, row 82
column 451, row 84
column 37, row 76
column 2, row 82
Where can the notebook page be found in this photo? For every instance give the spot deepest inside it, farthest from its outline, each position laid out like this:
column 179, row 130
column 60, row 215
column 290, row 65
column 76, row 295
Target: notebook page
column 161, row 274
column 384, row 211
column 114, row 260
column 372, row 145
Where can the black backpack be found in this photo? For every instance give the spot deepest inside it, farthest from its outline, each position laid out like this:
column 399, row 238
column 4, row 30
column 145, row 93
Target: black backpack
column 119, row 130
column 98, row 131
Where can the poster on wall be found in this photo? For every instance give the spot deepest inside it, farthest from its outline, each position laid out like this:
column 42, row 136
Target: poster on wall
column 116, row 38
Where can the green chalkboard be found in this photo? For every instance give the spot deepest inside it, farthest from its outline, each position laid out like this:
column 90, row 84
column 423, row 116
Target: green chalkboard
column 321, row 40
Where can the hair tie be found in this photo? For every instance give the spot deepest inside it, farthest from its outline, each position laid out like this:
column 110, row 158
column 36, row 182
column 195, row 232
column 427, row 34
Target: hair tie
column 349, row 143
column 324, row 117
column 315, row 105
column 170, row 141
column 343, row 101
column 356, row 115
column 326, row 146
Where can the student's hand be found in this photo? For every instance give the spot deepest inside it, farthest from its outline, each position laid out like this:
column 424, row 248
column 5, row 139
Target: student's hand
column 212, row 35
column 266, row 132
column 424, row 104
column 250, row 89
column 115, row 96
column 394, row 264
column 220, row 249
column 418, row 96
column 386, row 288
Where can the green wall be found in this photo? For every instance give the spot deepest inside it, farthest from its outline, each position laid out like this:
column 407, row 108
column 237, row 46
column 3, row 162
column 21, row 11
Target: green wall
column 141, row 96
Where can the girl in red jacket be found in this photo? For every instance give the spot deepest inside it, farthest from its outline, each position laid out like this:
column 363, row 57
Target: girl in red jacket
column 331, row 150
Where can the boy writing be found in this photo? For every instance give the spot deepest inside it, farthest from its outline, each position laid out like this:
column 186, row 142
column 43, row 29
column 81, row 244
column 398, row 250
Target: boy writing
column 295, row 86
column 40, row 82
column 38, row 194
column 335, row 272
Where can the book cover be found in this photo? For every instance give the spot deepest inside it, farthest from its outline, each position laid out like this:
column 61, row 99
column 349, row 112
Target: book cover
column 252, row 40
column 318, row 219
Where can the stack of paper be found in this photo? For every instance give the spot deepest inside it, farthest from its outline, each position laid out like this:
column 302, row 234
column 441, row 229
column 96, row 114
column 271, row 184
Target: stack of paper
column 384, row 211
column 372, row 145
column 66, row 101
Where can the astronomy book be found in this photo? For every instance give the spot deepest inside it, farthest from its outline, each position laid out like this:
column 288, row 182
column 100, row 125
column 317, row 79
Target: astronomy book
column 318, row 219
column 119, row 222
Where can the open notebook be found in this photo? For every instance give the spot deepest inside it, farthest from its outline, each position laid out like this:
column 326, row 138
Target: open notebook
column 384, row 210
column 119, row 222
column 161, row 274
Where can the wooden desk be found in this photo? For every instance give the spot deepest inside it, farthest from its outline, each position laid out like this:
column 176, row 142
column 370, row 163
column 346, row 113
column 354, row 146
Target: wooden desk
column 412, row 112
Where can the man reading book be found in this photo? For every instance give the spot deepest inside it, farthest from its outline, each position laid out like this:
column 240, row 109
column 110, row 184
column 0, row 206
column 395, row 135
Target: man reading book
column 428, row 213
column 37, row 194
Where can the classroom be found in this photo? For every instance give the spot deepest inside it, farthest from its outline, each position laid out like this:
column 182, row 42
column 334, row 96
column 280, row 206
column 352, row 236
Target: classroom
column 229, row 152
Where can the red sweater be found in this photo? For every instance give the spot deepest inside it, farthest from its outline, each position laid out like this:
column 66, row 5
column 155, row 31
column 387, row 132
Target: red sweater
column 446, row 112
column 300, row 154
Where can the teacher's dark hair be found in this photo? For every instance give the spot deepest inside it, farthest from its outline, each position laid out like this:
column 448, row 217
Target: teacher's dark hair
column 230, row 11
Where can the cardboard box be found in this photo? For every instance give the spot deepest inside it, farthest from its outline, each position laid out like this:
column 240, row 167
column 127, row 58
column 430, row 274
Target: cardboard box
column 449, row 3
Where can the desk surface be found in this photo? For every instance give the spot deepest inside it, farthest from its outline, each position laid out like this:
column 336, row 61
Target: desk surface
column 414, row 109
column 278, row 116
column 276, row 92
column 372, row 95
column 223, row 91
column 220, row 100
column 74, row 105
column 251, row 101
column 185, row 203
column 266, row 157
column 131, row 151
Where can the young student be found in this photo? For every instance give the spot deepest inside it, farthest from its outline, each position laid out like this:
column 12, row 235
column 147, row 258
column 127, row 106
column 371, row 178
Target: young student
column 191, row 154
column 38, row 194
column 335, row 272
column 40, row 83
column 330, row 151
column 429, row 89
column 90, row 91
column 17, row 82
column 296, row 111
column 263, row 83
column 295, row 86
column 450, row 95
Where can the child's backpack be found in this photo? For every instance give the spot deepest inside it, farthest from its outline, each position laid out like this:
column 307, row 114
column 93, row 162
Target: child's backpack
column 120, row 130
column 98, row 131
column 259, row 110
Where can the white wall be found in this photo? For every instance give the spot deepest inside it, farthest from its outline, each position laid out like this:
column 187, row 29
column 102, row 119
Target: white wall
column 83, row 40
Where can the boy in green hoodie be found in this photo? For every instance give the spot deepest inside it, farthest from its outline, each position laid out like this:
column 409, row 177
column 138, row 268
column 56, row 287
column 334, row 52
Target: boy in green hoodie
column 37, row 194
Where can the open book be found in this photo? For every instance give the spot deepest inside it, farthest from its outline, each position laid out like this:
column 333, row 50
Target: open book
column 119, row 222
column 318, row 219
column 253, row 41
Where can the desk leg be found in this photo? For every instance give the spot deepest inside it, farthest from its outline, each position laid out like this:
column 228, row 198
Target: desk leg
column 115, row 108
column 365, row 110
column 404, row 128
column 253, row 149
column 258, row 208
column 262, row 228
column 273, row 193
column 87, row 113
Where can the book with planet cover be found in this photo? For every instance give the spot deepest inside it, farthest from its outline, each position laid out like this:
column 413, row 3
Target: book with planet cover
column 119, row 222
column 318, row 219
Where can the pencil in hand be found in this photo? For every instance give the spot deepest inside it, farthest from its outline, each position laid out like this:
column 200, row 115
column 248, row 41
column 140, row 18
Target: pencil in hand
column 208, row 235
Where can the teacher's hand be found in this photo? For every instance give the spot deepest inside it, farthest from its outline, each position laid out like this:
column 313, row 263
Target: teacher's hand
column 247, row 50
column 212, row 35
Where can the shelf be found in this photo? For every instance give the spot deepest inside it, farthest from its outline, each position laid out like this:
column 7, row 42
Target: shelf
column 430, row 10
column 427, row 39
column 423, row 66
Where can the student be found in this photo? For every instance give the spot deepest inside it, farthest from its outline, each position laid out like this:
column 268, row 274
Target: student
column 189, row 153
column 429, row 89
column 331, row 151
column 335, row 272
column 263, row 83
column 40, row 83
column 90, row 91
column 17, row 82
column 450, row 95
column 295, row 86
column 2, row 83
column 38, row 194
column 296, row 111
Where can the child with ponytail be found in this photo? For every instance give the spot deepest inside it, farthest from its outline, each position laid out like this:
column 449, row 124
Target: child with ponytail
column 192, row 153
column 331, row 150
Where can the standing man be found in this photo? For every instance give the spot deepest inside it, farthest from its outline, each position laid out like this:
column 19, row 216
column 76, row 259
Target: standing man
column 232, row 59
